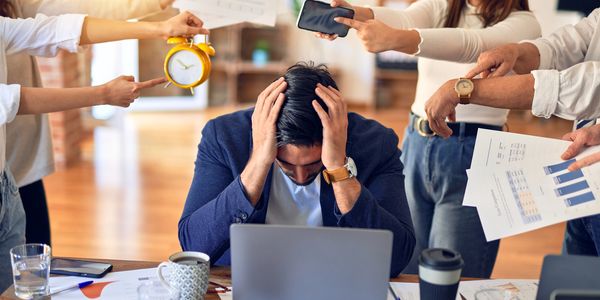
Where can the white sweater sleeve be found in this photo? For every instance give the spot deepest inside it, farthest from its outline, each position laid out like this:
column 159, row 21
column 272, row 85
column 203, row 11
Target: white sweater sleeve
column 9, row 106
column 465, row 45
column 42, row 35
column 568, row 45
column 106, row 9
column 420, row 14
column 570, row 94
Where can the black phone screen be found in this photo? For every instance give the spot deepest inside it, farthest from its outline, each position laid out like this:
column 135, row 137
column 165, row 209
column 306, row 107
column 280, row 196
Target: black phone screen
column 79, row 267
column 318, row 16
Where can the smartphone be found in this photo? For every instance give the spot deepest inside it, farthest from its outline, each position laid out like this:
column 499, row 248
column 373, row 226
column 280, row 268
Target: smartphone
column 318, row 16
column 75, row 267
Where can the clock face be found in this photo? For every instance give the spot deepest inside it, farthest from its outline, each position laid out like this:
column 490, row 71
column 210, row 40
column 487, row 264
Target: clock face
column 464, row 86
column 185, row 67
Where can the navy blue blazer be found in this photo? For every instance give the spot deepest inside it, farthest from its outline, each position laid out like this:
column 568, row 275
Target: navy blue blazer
column 216, row 198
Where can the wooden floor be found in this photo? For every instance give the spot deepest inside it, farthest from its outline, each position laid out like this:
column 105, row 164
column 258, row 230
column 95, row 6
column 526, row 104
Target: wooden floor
column 124, row 200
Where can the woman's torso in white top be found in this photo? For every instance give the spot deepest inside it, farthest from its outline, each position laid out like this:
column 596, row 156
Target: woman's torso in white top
column 449, row 53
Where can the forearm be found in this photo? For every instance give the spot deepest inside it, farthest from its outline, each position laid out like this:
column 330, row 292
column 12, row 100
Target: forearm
column 45, row 100
column 253, row 178
column 528, row 59
column 406, row 41
column 513, row 92
column 99, row 30
column 362, row 13
column 346, row 194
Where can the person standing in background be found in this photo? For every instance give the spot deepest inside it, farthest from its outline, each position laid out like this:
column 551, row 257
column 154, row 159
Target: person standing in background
column 447, row 36
column 29, row 144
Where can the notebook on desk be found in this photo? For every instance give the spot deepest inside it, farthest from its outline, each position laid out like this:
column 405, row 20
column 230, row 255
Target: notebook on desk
column 272, row 262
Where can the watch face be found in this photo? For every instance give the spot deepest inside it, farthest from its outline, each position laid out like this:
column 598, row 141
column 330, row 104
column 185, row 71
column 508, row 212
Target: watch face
column 464, row 86
column 185, row 67
column 352, row 167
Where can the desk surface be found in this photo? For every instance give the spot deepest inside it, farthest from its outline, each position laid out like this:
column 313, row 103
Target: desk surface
column 220, row 275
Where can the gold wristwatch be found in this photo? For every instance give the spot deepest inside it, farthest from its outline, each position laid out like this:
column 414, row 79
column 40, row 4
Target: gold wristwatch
column 464, row 88
column 346, row 172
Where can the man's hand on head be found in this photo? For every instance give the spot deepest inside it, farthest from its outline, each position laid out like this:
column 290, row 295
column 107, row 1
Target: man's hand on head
column 264, row 141
column 335, row 126
column 440, row 106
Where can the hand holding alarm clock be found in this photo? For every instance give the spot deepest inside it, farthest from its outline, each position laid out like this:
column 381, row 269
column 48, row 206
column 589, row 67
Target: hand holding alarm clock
column 188, row 65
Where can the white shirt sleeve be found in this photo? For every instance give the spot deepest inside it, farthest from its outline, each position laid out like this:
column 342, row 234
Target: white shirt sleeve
column 42, row 35
column 420, row 14
column 465, row 45
column 569, row 94
column 567, row 46
column 106, row 9
column 9, row 106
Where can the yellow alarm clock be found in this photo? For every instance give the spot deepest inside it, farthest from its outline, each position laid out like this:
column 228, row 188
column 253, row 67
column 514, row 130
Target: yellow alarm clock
column 187, row 65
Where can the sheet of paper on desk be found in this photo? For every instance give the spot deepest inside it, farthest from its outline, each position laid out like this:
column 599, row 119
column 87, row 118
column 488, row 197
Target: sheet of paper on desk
column 115, row 285
column 523, row 288
column 519, row 183
column 219, row 13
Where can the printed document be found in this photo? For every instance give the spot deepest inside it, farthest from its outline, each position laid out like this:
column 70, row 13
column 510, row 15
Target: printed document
column 519, row 183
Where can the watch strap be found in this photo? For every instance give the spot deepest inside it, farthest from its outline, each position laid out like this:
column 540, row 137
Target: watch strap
column 336, row 175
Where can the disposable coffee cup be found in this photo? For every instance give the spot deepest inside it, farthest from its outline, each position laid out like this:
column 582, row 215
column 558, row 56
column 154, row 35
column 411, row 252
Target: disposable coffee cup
column 439, row 274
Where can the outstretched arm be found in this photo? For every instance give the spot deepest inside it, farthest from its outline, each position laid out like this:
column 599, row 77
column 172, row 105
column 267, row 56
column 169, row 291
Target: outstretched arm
column 100, row 30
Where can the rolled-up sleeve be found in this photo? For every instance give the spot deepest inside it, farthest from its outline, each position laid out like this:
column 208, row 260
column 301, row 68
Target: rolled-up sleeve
column 570, row 94
column 42, row 35
column 9, row 106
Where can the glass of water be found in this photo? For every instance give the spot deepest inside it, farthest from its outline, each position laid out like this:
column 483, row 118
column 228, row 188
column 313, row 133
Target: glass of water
column 31, row 270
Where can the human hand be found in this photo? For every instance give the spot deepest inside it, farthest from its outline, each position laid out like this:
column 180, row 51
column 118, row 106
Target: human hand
column 582, row 138
column 496, row 62
column 440, row 106
column 334, row 3
column 264, row 119
column 375, row 35
column 123, row 90
column 335, row 126
column 184, row 24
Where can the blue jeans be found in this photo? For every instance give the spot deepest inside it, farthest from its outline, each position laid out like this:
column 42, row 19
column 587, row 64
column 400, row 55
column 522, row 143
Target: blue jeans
column 582, row 236
column 436, row 178
column 12, row 225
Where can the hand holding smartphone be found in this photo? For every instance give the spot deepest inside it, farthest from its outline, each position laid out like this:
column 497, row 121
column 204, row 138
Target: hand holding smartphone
column 319, row 17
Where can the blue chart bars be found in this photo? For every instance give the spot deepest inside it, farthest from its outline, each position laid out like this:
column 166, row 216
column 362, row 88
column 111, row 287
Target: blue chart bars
column 571, row 185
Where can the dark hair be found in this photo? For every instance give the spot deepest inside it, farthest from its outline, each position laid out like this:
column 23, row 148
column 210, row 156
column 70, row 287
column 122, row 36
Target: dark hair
column 490, row 11
column 6, row 9
column 298, row 123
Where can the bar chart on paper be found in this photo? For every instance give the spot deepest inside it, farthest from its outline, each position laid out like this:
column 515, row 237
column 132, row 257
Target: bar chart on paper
column 571, row 187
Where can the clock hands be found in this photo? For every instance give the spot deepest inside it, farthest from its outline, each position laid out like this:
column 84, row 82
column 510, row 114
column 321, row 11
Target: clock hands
column 185, row 67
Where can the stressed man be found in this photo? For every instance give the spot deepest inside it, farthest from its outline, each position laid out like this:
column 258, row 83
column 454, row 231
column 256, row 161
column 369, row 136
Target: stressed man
column 297, row 158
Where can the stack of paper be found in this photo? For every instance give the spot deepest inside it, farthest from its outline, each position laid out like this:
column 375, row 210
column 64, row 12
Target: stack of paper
column 219, row 13
column 519, row 183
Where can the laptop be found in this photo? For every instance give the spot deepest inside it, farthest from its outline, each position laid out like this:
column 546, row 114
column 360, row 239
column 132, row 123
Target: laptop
column 273, row 262
column 569, row 277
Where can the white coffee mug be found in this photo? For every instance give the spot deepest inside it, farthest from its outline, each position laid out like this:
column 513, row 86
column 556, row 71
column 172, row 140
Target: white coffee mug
column 188, row 274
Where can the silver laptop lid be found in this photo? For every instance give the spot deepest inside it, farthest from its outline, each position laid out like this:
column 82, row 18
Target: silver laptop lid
column 272, row 262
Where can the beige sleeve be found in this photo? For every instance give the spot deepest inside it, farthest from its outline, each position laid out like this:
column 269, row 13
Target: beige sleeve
column 106, row 9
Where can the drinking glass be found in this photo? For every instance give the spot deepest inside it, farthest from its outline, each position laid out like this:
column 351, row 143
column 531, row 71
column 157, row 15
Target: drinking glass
column 31, row 270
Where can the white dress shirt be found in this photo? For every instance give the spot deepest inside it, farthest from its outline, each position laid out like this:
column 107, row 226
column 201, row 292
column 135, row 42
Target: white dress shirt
column 29, row 143
column 41, row 36
column 567, row 83
column 448, row 53
column 292, row 204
